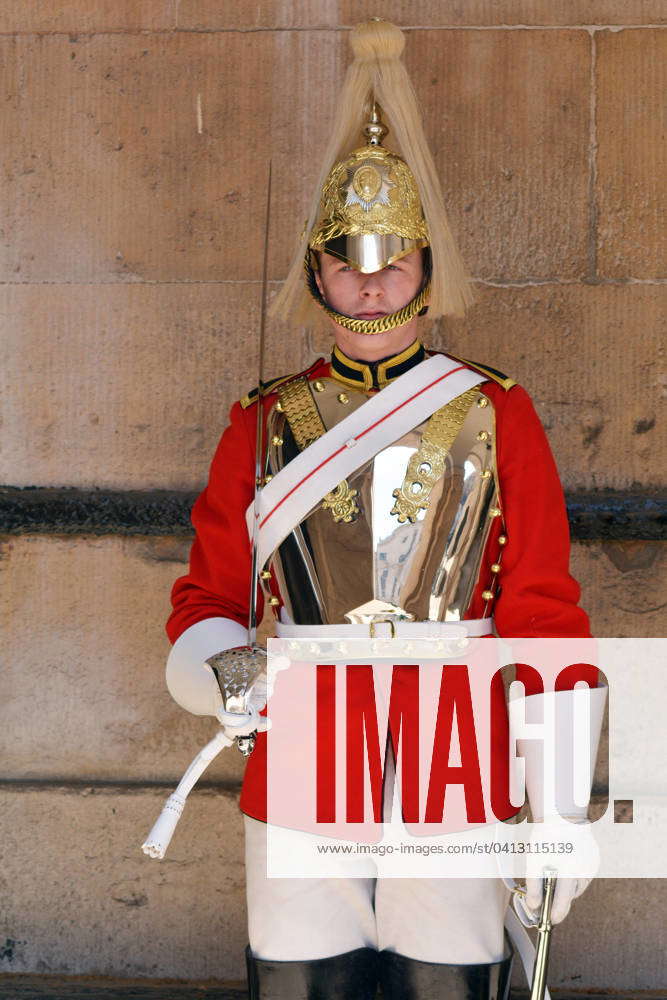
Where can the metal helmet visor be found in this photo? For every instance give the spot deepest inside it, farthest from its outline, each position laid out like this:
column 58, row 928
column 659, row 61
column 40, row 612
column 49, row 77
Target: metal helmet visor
column 370, row 252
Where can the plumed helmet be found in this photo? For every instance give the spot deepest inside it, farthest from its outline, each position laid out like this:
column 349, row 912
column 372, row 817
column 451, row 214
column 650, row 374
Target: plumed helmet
column 370, row 210
column 374, row 204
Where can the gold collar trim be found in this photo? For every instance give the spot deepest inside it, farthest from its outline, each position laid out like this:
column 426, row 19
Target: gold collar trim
column 375, row 374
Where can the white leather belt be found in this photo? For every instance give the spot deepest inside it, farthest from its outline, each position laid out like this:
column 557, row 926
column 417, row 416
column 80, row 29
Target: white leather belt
column 389, row 629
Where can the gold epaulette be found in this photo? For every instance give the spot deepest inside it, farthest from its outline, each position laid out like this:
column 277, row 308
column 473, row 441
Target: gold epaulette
column 491, row 373
column 273, row 383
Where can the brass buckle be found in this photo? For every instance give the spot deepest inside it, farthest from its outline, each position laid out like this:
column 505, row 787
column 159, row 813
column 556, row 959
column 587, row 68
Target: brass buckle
column 383, row 621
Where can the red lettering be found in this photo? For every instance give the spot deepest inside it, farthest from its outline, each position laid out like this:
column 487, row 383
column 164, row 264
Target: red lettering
column 362, row 718
column 501, row 805
column 363, row 740
column 326, row 743
column 455, row 695
column 569, row 676
column 404, row 725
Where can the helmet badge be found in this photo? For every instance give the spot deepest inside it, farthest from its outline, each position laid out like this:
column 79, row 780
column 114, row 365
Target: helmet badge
column 367, row 185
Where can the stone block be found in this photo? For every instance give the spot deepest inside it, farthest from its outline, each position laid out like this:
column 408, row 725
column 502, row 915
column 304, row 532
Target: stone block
column 127, row 386
column 144, row 157
column 622, row 584
column 207, row 14
column 84, row 654
column 80, row 897
column 140, row 157
column 507, row 113
column 76, row 16
column 613, row 938
column 631, row 79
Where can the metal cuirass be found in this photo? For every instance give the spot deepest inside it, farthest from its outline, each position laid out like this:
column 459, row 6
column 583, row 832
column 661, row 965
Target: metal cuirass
column 410, row 541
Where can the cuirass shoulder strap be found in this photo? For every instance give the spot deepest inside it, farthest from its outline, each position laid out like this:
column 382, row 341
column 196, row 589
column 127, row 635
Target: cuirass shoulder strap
column 428, row 463
column 302, row 414
column 303, row 417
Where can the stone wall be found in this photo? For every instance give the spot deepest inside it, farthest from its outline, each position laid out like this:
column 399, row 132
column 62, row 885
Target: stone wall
column 136, row 140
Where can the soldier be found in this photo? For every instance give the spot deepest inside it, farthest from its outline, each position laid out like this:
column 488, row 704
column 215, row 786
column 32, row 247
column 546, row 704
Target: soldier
column 472, row 531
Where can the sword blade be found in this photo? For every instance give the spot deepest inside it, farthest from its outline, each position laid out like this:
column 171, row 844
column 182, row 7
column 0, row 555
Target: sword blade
column 259, row 444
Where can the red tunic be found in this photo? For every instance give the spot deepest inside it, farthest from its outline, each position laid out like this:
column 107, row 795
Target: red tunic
column 537, row 596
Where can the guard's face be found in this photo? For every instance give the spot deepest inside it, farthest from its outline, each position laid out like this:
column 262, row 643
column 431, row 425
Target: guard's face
column 369, row 296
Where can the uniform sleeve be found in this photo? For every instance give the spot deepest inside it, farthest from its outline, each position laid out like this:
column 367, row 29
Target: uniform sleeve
column 538, row 597
column 218, row 581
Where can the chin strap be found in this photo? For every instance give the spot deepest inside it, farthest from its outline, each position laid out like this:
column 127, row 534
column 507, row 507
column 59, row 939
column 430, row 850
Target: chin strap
column 370, row 326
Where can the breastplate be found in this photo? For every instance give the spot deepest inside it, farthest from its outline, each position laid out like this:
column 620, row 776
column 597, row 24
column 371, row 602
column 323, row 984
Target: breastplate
column 336, row 572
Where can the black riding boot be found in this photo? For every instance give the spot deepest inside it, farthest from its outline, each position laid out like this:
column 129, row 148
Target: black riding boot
column 407, row 979
column 352, row 976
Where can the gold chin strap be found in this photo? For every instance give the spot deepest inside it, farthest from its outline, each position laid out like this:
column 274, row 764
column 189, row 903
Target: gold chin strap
column 369, row 326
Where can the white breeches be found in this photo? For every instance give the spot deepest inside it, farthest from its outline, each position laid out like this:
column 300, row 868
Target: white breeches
column 433, row 920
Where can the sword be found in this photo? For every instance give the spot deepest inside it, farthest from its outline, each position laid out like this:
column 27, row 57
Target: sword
column 539, row 983
column 236, row 670
column 259, row 446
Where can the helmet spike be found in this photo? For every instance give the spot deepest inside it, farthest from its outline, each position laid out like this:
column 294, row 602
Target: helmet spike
column 375, row 130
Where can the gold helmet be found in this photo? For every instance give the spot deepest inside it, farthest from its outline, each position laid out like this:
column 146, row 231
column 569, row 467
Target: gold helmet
column 370, row 216
column 370, row 210
column 374, row 205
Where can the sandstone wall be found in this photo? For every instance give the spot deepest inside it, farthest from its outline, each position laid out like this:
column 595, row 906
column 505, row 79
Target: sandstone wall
column 136, row 139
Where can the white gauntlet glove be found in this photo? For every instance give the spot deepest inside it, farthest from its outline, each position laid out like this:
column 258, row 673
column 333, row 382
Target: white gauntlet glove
column 190, row 680
column 573, row 732
column 576, row 835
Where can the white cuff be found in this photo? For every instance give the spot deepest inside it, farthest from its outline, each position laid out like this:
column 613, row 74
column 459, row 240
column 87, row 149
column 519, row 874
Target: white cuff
column 564, row 790
column 190, row 680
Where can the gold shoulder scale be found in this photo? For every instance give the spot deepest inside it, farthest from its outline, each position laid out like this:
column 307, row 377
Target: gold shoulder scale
column 306, row 425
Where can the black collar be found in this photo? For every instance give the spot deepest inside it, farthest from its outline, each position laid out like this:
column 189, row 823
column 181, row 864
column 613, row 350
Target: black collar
column 375, row 374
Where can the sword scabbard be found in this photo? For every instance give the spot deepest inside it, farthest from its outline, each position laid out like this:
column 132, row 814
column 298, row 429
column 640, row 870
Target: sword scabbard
column 539, row 983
